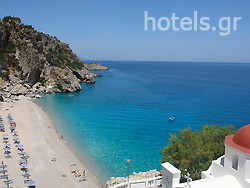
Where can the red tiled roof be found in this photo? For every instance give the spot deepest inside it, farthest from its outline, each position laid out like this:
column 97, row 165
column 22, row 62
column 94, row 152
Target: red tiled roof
column 240, row 140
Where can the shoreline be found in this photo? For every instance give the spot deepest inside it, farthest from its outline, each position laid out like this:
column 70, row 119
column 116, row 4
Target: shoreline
column 58, row 134
column 41, row 140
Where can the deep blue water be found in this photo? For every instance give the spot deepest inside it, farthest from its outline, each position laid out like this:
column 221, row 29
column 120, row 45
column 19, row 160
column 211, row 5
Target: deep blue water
column 125, row 114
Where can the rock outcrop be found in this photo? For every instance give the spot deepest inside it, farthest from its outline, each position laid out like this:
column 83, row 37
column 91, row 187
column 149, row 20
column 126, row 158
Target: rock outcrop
column 95, row 66
column 32, row 63
column 135, row 176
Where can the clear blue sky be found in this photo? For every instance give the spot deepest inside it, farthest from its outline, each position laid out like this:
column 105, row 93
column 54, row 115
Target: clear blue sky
column 114, row 29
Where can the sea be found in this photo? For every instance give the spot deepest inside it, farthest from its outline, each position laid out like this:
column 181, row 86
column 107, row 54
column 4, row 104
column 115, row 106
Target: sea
column 125, row 114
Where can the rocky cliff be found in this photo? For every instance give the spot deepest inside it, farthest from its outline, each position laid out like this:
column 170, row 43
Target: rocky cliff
column 32, row 62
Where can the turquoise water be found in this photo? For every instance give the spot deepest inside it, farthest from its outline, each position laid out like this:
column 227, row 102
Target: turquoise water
column 125, row 114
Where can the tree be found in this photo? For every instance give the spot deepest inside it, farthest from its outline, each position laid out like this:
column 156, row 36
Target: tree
column 195, row 150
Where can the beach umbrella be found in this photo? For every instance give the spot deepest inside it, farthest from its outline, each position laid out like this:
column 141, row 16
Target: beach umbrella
column 2, row 165
column 12, row 127
column 23, row 164
column 22, row 153
column 5, row 135
column 22, row 160
column 15, row 132
column 30, row 182
column 24, row 169
column 19, row 145
column 5, row 141
column 6, row 149
column 16, row 138
column 6, row 144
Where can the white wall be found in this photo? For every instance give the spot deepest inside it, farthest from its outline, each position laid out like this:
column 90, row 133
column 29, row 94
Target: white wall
column 170, row 176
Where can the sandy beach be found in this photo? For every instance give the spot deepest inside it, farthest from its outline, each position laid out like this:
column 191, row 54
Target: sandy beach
column 42, row 143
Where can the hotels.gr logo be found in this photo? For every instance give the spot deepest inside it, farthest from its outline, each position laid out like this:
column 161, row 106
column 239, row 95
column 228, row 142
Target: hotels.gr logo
column 225, row 24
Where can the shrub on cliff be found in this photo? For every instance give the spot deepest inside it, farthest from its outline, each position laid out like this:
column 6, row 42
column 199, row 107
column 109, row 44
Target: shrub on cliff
column 29, row 27
column 195, row 150
column 11, row 18
column 5, row 75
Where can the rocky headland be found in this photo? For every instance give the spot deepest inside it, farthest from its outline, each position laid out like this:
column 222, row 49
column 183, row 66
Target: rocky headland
column 95, row 66
column 33, row 63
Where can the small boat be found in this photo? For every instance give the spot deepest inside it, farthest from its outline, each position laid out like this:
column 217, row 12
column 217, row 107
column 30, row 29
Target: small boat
column 171, row 119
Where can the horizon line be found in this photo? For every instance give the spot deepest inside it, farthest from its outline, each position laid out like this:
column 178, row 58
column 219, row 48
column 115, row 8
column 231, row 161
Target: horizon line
column 167, row 61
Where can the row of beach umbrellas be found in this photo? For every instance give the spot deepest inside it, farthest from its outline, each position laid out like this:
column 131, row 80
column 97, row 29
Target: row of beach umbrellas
column 1, row 123
column 23, row 155
column 3, row 171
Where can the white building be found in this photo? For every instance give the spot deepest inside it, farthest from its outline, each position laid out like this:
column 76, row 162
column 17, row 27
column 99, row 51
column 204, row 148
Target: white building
column 230, row 171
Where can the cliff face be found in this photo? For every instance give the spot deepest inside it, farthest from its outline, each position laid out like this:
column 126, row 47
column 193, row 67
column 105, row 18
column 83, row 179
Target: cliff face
column 37, row 59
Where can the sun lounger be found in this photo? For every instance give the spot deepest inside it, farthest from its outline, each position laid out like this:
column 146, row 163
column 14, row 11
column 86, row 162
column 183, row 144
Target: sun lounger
column 8, row 181
column 7, row 152
column 8, row 156
column 26, row 175
column 25, row 157
column 29, row 182
column 3, row 171
column 3, row 176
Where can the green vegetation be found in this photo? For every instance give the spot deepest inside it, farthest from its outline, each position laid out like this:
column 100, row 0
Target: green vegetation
column 42, row 80
column 64, row 60
column 7, row 50
column 5, row 75
column 195, row 150
column 63, row 57
column 75, row 65
column 28, row 27
column 57, row 55
column 38, row 36
column 11, row 18
column 19, row 68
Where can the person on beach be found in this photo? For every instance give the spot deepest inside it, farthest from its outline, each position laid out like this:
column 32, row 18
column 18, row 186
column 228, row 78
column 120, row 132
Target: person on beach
column 61, row 137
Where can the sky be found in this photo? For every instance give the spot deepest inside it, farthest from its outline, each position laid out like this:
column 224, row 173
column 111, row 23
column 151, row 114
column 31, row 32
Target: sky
column 114, row 29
